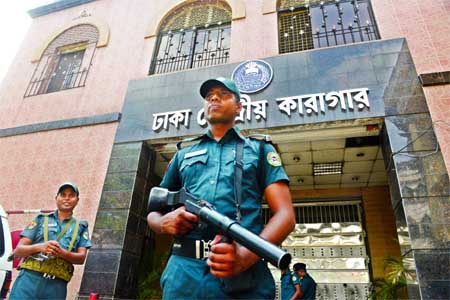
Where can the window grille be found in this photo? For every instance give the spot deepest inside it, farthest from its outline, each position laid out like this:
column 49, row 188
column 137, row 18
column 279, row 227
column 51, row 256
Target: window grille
column 195, row 35
column 193, row 48
column 65, row 63
column 66, row 72
column 322, row 212
column 316, row 24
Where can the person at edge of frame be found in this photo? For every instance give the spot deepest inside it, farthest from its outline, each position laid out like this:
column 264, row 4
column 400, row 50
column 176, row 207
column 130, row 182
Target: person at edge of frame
column 307, row 283
column 51, row 244
column 290, row 285
column 206, row 170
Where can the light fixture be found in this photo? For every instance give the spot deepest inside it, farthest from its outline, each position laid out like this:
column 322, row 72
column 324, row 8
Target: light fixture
column 327, row 168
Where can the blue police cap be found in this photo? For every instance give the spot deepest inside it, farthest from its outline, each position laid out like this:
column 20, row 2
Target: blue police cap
column 73, row 186
column 220, row 81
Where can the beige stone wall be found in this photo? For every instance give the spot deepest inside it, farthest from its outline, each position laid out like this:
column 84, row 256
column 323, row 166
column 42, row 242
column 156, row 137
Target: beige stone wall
column 379, row 220
column 380, row 227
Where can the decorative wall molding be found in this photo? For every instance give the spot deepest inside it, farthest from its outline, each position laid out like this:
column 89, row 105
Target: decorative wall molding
column 435, row 78
column 102, row 27
column 237, row 10
column 269, row 6
column 61, row 124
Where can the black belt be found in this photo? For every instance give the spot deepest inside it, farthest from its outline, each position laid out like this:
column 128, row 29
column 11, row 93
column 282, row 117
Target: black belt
column 198, row 249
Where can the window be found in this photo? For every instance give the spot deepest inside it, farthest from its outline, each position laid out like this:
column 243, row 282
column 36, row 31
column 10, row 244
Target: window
column 67, row 71
column 314, row 24
column 66, row 61
column 195, row 35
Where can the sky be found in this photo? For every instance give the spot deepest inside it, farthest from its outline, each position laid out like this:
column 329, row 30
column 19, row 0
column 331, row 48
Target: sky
column 14, row 24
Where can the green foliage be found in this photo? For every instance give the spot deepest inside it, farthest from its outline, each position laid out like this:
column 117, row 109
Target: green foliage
column 152, row 266
column 393, row 285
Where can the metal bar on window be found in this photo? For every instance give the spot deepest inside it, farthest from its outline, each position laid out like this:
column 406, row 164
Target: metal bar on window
column 334, row 22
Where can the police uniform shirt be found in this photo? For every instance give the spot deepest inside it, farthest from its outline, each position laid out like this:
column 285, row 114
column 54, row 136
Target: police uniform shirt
column 35, row 231
column 288, row 282
column 308, row 287
column 206, row 170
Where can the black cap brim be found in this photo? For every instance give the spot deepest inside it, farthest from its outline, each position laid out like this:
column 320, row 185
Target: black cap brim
column 208, row 84
column 68, row 185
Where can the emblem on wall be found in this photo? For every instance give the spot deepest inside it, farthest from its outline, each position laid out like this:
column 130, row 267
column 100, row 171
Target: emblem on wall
column 252, row 76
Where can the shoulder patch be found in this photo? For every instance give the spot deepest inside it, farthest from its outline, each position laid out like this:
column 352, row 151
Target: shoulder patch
column 31, row 225
column 86, row 235
column 273, row 159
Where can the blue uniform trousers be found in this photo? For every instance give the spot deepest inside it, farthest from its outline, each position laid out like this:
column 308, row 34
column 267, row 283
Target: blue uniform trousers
column 190, row 278
column 32, row 285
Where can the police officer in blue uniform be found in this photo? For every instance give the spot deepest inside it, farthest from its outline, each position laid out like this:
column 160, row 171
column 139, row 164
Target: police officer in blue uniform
column 203, row 265
column 290, row 285
column 51, row 244
column 307, row 283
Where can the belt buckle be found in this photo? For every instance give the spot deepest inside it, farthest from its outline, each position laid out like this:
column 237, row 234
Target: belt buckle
column 202, row 249
column 48, row 276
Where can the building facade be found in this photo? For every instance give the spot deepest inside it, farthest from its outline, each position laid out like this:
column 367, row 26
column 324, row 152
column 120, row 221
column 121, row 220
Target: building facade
column 356, row 98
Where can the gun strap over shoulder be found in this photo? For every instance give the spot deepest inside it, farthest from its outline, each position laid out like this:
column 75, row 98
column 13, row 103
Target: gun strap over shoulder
column 261, row 167
column 262, row 139
column 63, row 231
column 74, row 236
column 238, row 170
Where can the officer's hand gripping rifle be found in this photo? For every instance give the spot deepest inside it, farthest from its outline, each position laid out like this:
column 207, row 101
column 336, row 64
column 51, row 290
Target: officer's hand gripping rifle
column 161, row 198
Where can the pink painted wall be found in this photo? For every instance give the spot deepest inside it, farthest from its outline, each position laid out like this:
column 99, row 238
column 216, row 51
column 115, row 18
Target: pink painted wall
column 33, row 166
column 426, row 26
column 112, row 67
column 256, row 36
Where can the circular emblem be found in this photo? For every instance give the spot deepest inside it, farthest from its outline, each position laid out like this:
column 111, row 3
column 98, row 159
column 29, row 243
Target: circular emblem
column 31, row 225
column 252, row 76
column 273, row 159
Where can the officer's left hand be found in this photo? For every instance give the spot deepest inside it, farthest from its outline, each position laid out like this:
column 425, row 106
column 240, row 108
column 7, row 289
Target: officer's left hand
column 229, row 259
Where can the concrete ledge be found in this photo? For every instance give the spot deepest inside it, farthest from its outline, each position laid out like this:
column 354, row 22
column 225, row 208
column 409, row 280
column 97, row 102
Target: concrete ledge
column 56, row 6
column 435, row 78
column 61, row 124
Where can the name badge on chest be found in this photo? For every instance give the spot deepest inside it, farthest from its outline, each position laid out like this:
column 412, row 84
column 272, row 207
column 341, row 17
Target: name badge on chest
column 195, row 153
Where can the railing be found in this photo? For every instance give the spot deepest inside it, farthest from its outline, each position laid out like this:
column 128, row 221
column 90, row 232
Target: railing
column 326, row 23
column 323, row 212
column 193, row 48
column 58, row 72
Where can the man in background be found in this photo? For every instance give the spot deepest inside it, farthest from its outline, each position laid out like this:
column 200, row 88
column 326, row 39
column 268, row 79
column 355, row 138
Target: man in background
column 51, row 244
column 307, row 283
column 290, row 286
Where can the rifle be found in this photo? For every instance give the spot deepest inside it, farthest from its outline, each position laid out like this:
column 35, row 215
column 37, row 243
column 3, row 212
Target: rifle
column 160, row 199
